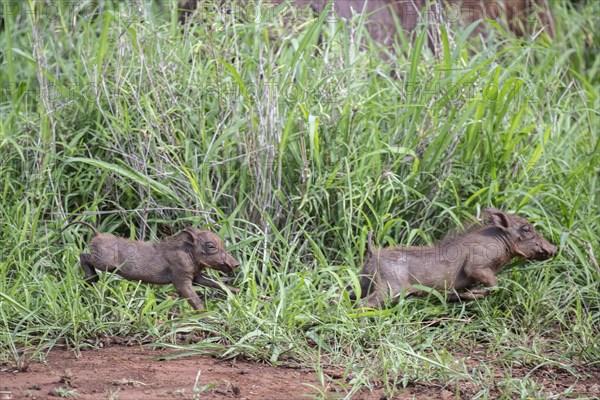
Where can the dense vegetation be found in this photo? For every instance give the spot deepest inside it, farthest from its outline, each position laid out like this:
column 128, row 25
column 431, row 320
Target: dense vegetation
column 293, row 141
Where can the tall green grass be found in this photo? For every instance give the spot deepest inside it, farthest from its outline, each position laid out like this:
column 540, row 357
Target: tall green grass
column 293, row 143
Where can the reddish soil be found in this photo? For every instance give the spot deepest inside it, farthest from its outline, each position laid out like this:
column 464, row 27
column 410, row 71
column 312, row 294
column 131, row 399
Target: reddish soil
column 142, row 372
column 120, row 372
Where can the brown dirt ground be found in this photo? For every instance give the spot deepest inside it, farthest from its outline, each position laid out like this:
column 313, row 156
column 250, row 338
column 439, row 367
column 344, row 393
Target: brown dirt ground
column 141, row 372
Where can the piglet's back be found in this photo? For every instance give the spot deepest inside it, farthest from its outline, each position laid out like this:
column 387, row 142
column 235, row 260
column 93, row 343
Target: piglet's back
column 110, row 251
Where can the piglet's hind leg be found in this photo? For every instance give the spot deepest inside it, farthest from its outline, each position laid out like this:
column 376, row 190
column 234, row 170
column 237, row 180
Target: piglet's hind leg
column 91, row 275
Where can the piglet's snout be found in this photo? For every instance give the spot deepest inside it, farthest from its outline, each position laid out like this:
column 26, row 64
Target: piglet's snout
column 548, row 250
column 230, row 261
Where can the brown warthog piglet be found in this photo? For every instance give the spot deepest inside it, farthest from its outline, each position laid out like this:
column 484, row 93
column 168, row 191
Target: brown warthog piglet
column 180, row 260
column 456, row 263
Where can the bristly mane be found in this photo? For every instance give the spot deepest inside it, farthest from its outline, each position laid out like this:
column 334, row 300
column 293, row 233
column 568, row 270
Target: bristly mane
column 455, row 232
column 472, row 226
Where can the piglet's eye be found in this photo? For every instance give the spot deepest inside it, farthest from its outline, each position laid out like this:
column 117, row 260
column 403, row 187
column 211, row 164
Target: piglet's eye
column 525, row 229
column 210, row 248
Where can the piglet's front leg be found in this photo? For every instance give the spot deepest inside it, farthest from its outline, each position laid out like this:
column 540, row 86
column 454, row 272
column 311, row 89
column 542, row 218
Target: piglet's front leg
column 483, row 275
column 468, row 295
column 478, row 274
column 202, row 280
column 184, row 288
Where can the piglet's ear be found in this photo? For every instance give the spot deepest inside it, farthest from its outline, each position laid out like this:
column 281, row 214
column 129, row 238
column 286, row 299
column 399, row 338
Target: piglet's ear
column 497, row 217
column 189, row 235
